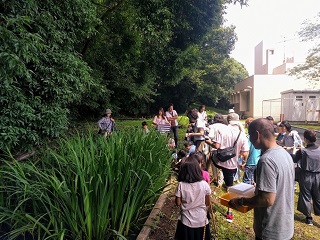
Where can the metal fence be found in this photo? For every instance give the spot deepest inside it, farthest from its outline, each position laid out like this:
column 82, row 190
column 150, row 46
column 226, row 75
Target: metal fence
column 272, row 107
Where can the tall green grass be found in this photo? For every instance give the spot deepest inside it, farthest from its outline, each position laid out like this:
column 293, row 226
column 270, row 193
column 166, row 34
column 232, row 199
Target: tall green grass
column 86, row 188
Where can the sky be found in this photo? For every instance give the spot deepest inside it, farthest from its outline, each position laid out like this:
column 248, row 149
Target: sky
column 276, row 22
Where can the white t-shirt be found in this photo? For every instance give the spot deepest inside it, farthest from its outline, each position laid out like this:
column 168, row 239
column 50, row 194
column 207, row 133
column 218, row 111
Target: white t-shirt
column 202, row 116
column 199, row 124
column 237, row 124
column 226, row 136
column 213, row 129
column 193, row 207
column 174, row 113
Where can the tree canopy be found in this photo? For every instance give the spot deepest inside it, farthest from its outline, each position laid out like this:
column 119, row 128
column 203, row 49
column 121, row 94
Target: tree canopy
column 311, row 68
column 67, row 60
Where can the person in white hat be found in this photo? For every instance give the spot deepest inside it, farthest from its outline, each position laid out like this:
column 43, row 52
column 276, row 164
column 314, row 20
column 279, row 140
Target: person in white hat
column 231, row 110
column 234, row 120
column 106, row 124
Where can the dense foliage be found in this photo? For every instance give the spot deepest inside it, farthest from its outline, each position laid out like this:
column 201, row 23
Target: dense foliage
column 41, row 72
column 67, row 60
column 88, row 188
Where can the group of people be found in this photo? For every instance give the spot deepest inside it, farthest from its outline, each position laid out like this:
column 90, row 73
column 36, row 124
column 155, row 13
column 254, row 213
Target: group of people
column 275, row 174
column 167, row 122
column 221, row 133
column 269, row 155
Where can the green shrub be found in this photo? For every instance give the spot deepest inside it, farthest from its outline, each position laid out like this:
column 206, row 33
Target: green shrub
column 183, row 121
column 85, row 188
column 41, row 73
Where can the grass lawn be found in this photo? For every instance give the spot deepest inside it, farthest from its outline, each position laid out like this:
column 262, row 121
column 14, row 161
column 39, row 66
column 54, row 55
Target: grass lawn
column 314, row 127
column 241, row 227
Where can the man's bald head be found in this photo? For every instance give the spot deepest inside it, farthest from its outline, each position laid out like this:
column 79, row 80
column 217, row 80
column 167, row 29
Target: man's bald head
column 265, row 129
column 263, row 126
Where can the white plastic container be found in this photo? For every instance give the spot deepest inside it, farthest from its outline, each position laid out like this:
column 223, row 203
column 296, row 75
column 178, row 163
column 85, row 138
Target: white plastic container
column 242, row 190
column 239, row 190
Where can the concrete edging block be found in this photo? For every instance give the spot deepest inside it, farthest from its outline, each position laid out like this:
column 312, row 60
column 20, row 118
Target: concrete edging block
column 145, row 231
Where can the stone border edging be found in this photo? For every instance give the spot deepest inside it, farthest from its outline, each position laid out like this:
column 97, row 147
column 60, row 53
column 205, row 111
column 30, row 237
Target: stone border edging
column 145, row 231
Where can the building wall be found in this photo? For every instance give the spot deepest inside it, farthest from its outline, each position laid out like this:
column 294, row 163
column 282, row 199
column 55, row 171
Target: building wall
column 242, row 92
column 301, row 105
column 267, row 88
column 280, row 69
column 259, row 59
column 266, row 58
column 260, row 94
column 284, row 68
column 271, row 60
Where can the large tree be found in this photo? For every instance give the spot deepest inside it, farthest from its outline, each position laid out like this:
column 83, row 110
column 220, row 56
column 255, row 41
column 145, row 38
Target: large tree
column 143, row 47
column 210, row 74
column 311, row 68
column 41, row 72
column 73, row 58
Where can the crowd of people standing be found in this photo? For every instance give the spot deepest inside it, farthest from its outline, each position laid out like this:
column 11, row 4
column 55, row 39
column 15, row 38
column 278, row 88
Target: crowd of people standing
column 271, row 156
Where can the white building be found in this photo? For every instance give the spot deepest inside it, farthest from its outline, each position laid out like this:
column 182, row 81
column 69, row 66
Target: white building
column 260, row 94
column 301, row 105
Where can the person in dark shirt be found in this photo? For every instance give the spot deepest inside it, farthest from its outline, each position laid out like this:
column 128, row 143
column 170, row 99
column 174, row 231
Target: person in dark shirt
column 309, row 176
column 281, row 133
column 270, row 119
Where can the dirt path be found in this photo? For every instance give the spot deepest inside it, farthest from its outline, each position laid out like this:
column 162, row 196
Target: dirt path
column 167, row 222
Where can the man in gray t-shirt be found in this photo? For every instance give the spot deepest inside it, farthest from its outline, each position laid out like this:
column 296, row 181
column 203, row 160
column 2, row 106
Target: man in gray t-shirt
column 274, row 201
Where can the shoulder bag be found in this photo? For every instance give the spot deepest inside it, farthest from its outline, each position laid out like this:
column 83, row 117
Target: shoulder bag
column 227, row 153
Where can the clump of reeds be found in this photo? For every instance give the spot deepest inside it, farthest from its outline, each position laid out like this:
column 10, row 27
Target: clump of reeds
column 85, row 188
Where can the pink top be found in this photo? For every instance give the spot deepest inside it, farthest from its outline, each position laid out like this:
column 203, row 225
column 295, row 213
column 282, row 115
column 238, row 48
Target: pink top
column 158, row 121
column 206, row 176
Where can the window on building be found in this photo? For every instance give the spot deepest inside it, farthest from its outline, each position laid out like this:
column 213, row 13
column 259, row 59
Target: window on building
column 312, row 97
column 299, row 98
